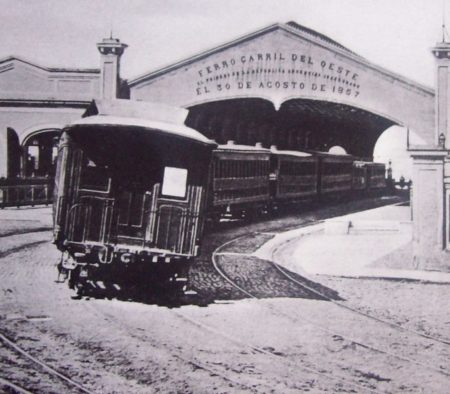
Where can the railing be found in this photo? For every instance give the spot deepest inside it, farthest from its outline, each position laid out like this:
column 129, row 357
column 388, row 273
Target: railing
column 16, row 192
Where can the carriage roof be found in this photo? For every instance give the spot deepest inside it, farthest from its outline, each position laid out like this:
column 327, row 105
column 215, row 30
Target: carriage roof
column 290, row 153
column 149, row 116
column 231, row 146
column 343, row 156
column 362, row 163
column 375, row 164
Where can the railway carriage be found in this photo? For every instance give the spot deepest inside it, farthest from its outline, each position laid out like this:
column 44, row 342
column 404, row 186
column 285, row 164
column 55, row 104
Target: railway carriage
column 335, row 175
column 240, row 179
column 359, row 182
column 134, row 185
column 376, row 176
column 130, row 195
column 294, row 175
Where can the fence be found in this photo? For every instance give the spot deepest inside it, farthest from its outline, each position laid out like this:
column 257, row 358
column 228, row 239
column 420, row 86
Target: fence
column 16, row 192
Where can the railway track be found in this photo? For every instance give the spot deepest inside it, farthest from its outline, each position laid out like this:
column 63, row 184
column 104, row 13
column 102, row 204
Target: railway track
column 315, row 369
column 236, row 381
column 324, row 296
column 52, row 378
column 35, row 364
column 228, row 375
column 352, row 308
column 40, row 367
column 15, row 388
column 131, row 331
column 22, row 231
column 357, row 311
column 14, row 241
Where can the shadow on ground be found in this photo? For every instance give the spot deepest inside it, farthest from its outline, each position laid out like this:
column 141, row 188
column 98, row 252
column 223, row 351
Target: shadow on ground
column 259, row 279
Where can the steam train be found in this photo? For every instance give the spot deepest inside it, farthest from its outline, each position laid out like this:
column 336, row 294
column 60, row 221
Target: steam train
column 134, row 187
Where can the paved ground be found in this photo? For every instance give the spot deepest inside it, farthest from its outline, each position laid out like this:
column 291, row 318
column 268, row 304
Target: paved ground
column 14, row 220
column 41, row 214
column 373, row 243
column 271, row 345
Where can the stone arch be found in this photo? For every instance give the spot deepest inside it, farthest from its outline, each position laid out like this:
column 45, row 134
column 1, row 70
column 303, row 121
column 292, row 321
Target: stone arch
column 34, row 130
column 299, row 123
column 39, row 150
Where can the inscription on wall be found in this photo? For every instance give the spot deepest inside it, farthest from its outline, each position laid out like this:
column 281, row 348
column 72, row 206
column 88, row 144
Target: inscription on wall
column 290, row 73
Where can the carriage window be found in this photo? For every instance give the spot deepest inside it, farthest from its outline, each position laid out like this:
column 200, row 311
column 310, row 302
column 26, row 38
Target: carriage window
column 174, row 183
column 93, row 177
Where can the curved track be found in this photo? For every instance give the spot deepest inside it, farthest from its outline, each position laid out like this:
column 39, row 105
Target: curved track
column 225, row 375
column 216, row 354
column 361, row 343
column 316, row 370
column 236, row 380
column 353, row 309
column 359, row 312
column 129, row 330
column 40, row 366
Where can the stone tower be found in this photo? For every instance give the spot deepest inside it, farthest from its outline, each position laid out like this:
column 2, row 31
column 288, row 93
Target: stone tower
column 111, row 49
column 431, row 194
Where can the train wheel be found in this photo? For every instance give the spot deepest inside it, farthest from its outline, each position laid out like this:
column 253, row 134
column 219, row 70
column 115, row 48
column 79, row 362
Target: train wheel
column 73, row 278
column 80, row 290
column 78, row 281
column 180, row 281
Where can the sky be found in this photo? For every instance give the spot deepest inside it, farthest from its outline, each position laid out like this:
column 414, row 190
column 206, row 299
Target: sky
column 395, row 34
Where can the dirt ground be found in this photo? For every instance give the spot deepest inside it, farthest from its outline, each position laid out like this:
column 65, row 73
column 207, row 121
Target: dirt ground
column 282, row 344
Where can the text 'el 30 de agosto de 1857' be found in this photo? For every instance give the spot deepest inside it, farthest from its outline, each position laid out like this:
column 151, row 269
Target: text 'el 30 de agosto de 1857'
column 291, row 72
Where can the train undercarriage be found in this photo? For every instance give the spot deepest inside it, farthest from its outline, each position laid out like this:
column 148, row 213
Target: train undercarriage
column 112, row 273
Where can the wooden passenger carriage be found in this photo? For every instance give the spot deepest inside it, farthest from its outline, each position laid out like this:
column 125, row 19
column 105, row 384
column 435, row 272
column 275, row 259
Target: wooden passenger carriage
column 368, row 177
column 294, row 175
column 335, row 174
column 376, row 174
column 130, row 192
column 359, row 183
column 240, row 178
column 134, row 185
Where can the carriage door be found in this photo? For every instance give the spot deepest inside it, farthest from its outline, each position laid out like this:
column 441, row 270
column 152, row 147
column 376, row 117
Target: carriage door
column 177, row 208
column 134, row 207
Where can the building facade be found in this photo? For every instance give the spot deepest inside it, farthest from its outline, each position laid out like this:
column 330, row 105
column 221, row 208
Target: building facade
column 293, row 87
column 283, row 85
column 36, row 102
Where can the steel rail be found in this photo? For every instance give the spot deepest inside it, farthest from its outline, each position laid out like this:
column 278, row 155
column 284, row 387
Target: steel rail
column 13, row 386
column 43, row 365
column 309, row 369
column 350, row 308
column 196, row 363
